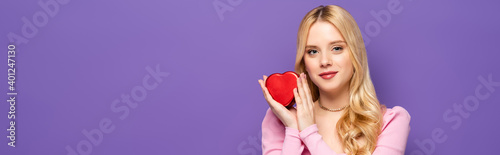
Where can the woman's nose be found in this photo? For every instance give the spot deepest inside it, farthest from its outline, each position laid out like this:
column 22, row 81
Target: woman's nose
column 325, row 60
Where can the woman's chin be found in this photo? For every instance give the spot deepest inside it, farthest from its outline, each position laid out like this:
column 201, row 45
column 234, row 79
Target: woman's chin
column 329, row 89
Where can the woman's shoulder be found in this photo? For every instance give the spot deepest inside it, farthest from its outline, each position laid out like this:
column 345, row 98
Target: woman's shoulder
column 395, row 131
column 396, row 116
column 397, row 111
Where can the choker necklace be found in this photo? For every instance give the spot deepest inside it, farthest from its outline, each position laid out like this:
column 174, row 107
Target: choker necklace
column 331, row 110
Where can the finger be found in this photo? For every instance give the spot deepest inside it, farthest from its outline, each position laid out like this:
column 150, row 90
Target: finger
column 298, row 101
column 264, row 90
column 307, row 91
column 298, row 98
column 261, row 82
column 301, row 90
column 267, row 95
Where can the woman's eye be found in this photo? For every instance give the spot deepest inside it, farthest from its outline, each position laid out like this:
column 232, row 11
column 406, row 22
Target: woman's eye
column 312, row 51
column 337, row 48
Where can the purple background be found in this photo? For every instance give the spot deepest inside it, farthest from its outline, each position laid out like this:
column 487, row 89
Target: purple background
column 428, row 57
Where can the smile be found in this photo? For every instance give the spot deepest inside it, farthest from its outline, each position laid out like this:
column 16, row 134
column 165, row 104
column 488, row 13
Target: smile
column 328, row 75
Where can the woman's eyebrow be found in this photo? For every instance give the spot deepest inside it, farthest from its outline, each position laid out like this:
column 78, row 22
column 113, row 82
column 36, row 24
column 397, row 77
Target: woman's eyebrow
column 337, row 42
column 311, row 46
column 331, row 43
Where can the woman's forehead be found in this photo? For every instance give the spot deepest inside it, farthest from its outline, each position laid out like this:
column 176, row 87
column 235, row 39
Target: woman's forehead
column 322, row 33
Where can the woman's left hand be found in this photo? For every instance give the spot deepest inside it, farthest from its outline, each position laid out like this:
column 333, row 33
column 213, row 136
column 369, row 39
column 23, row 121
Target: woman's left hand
column 305, row 105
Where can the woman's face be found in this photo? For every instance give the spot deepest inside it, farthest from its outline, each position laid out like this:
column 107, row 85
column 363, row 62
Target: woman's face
column 327, row 58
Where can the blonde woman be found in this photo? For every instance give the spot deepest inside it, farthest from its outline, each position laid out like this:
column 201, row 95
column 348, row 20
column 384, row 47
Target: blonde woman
column 337, row 110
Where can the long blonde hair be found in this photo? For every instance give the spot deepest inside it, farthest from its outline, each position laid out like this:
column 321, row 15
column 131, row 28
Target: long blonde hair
column 363, row 117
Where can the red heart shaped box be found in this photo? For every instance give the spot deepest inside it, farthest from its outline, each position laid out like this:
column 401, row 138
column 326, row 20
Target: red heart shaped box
column 281, row 86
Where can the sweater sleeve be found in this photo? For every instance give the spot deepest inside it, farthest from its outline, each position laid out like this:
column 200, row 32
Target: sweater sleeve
column 391, row 141
column 278, row 139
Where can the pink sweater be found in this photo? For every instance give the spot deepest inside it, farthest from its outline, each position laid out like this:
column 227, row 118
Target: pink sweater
column 278, row 139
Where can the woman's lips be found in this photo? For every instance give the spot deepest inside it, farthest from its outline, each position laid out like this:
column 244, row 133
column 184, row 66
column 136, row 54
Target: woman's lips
column 328, row 75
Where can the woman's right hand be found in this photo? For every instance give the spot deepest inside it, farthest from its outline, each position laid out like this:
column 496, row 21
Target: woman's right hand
column 287, row 116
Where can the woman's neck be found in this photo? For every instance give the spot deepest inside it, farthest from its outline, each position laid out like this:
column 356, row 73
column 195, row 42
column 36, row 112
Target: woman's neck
column 334, row 100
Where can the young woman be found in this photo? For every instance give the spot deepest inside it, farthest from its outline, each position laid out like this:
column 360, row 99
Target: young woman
column 337, row 110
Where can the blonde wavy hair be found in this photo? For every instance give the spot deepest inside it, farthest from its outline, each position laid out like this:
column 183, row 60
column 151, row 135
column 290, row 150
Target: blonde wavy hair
column 363, row 117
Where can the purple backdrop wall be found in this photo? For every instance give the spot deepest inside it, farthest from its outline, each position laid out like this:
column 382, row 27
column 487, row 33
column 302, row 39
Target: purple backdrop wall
column 180, row 77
